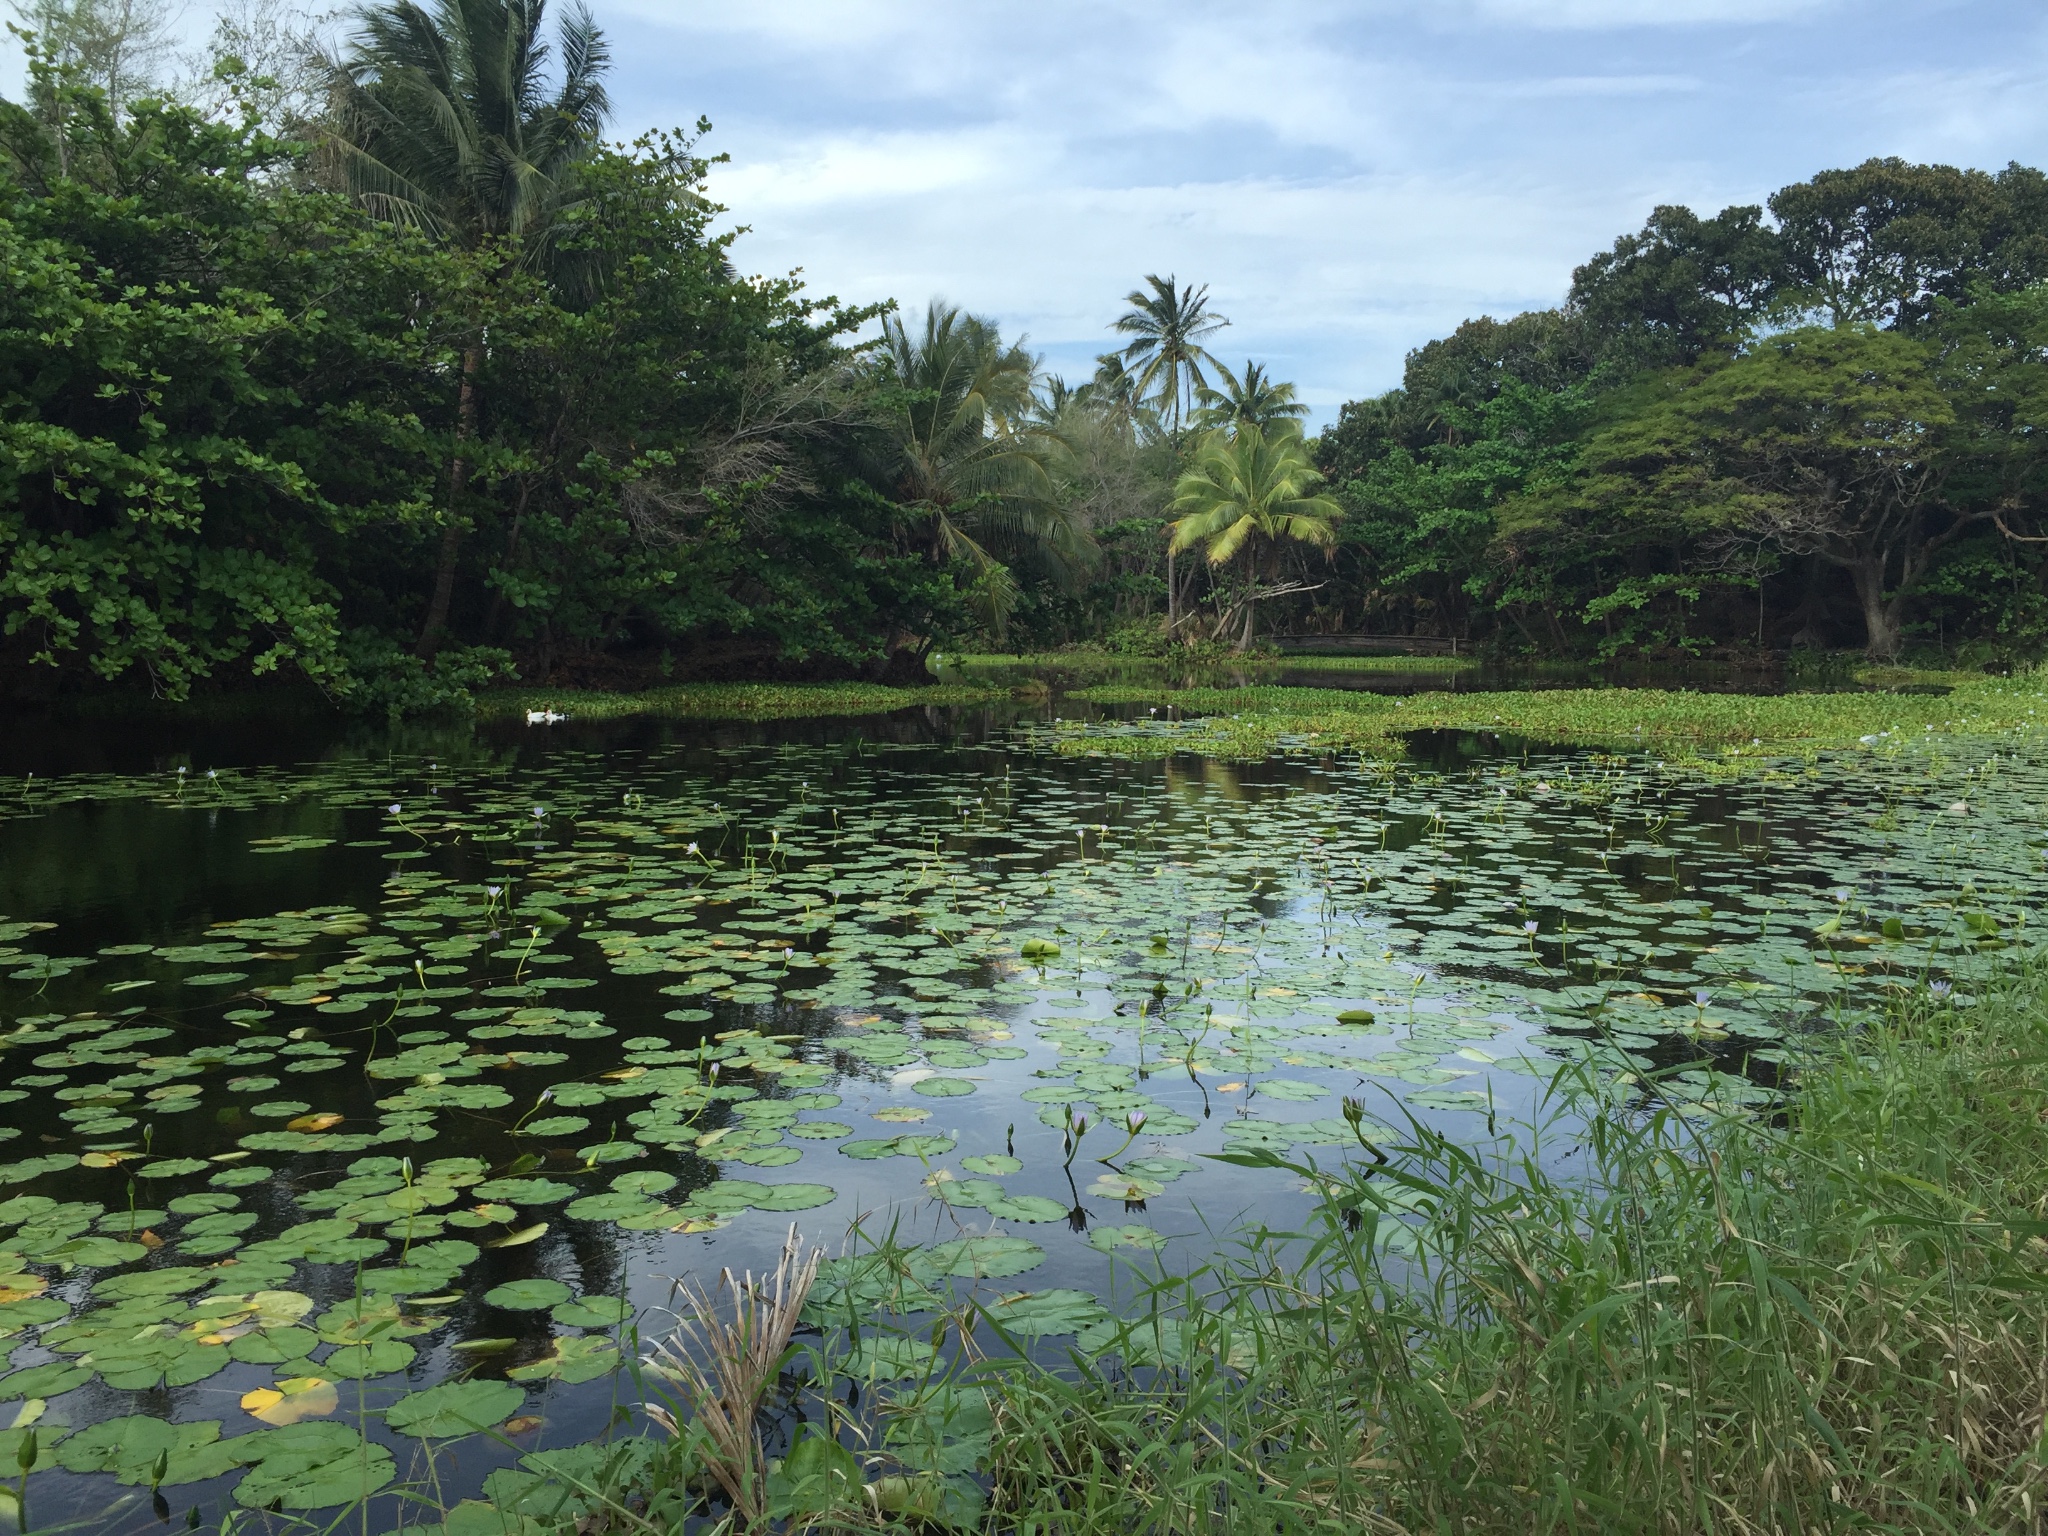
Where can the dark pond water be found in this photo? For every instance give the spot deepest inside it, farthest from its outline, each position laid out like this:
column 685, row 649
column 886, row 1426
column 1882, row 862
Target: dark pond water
column 365, row 1097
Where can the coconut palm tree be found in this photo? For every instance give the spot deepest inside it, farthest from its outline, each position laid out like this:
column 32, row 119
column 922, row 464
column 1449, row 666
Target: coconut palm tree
column 1246, row 493
column 1255, row 399
column 970, row 453
column 1166, row 353
column 443, row 118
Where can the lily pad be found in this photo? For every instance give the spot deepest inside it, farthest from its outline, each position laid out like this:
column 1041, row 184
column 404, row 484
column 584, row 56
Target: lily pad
column 995, row 1165
column 535, row 1295
column 1041, row 1314
column 972, row 1258
column 455, row 1408
column 1027, row 1208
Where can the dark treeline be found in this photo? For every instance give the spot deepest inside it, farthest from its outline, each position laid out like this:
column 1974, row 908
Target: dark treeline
column 379, row 367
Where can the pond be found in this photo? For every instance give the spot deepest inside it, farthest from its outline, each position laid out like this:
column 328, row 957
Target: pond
column 364, row 1108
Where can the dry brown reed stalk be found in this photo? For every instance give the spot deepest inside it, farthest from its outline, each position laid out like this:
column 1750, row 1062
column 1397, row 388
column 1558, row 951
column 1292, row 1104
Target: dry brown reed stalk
column 725, row 1355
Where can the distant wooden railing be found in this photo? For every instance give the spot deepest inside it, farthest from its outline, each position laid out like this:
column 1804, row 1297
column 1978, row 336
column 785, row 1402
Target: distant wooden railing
column 1364, row 645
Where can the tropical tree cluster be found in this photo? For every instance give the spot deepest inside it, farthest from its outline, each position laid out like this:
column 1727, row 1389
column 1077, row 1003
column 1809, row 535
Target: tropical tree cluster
column 355, row 354
column 1815, row 422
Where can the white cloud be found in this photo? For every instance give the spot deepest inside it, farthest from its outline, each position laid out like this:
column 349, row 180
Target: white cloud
column 1583, row 14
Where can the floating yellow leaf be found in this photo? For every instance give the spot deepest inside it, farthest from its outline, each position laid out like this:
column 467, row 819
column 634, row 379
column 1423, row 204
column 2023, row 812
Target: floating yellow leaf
column 1229, row 1087
column 106, row 1159
column 521, row 1238
column 22, row 1287
column 525, row 1424
column 325, row 1121
column 302, row 1397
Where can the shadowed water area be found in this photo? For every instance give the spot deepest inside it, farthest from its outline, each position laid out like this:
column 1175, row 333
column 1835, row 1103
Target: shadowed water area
column 362, row 1107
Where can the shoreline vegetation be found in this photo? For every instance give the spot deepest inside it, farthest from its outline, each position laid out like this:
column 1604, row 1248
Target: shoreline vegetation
column 1258, row 720
column 1830, row 1318
column 1729, row 728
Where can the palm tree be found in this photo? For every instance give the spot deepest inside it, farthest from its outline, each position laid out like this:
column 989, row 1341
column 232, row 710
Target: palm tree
column 1167, row 354
column 1168, row 326
column 970, row 453
column 1256, row 399
column 443, row 120
column 1246, row 492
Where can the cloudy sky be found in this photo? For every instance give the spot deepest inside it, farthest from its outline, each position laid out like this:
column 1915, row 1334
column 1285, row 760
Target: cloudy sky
column 1350, row 179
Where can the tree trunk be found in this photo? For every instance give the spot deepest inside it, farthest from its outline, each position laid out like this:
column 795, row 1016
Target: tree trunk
column 458, row 485
column 1251, row 610
column 1172, row 593
column 1881, row 619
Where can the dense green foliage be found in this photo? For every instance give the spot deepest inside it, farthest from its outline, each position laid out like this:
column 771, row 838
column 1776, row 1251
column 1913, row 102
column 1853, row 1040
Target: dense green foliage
column 1813, row 428
column 232, row 400
column 397, row 379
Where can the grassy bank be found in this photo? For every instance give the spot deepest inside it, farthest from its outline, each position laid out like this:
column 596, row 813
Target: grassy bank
column 1833, row 1324
column 728, row 701
column 1257, row 721
column 1832, row 1320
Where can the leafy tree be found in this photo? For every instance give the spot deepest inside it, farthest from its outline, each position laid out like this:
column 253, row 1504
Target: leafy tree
column 1881, row 243
column 965, row 457
column 125, row 49
column 1247, row 492
column 1681, row 287
column 445, row 122
column 231, row 418
column 1832, row 443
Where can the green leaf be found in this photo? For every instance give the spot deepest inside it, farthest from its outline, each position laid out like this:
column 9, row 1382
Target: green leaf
column 943, row 1087
column 129, row 1448
column 535, row 1295
column 455, row 1408
column 1027, row 1208
column 310, row 1466
column 980, row 1258
column 1040, row 1314
column 995, row 1165
column 593, row 1312
column 360, row 1361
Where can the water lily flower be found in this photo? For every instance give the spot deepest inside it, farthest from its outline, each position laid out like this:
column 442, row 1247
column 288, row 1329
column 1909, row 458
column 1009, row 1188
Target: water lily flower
column 394, row 809
column 1941, row 988
column 1702, row 997
column 493, row 890
column 1529, row 925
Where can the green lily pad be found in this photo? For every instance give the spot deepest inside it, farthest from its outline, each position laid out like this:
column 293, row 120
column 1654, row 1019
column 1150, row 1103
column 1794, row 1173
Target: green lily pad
column 1041, row 1314
column 130, row 1447
column 943, row 1087
column 1027, row 1208
column 524, row 1191
column 310, row 1466
column 593, row 1312
column 555, row 1125
column 358, row 1361
column 1111, row 1239
column 572, row 1360
column 1291, row 1091
column 971, row 1258
column 535, row 1295
column 794, row 1197
column 995, row 1165
column 455, row 1407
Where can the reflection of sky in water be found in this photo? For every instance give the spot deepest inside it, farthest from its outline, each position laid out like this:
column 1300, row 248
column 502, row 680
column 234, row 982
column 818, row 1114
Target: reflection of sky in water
column 879, row 920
